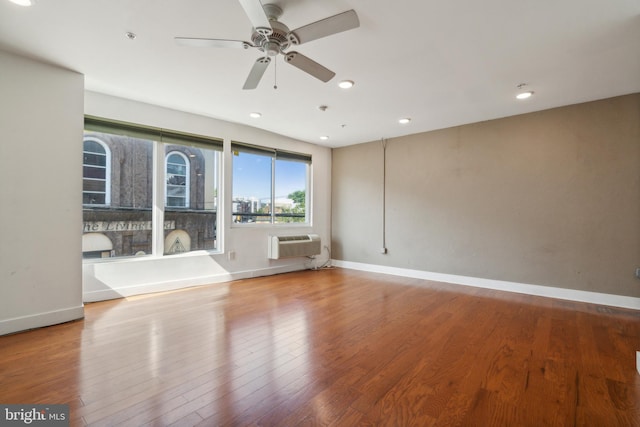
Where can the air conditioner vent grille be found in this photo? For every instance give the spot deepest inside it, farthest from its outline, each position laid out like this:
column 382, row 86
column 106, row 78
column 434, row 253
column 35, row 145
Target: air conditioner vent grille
column 293, row 238
column 293, row 246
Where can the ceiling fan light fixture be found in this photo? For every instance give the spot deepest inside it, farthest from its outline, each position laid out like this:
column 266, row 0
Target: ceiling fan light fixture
column 22, row 2
column 255, row 115
column 346, row 84
column 271, row 48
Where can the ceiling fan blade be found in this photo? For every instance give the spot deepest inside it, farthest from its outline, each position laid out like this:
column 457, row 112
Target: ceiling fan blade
column 309, row 66
column 195, row 42
column 258, row 69
column 257, row 16
column 332, row 25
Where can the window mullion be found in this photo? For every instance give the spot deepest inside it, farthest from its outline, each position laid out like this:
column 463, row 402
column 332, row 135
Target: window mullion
column 157, row 211
column 273, row 190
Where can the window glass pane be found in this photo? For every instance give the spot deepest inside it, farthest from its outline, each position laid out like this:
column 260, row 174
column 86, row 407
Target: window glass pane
column 94, row 172
column 175, row 201
column 122, row 225
column 92, row 146
column 94, row 159
column 290, row 191
column 172, row 168
column 93, row 199
column 191, row 197
column 92, row 185
column 251, row 200
column 176, row 159
column 173, row 191
column 173, row 180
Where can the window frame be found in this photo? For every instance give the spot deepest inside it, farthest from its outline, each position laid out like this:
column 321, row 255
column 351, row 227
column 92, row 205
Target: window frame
column 275, row 155
column 161, row 139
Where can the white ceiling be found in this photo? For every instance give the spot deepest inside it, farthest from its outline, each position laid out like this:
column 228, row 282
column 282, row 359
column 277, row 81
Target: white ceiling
column 442, row 63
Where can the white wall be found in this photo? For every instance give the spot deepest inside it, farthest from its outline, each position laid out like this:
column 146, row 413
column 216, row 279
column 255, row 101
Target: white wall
column 40, row 194
column 123, row 277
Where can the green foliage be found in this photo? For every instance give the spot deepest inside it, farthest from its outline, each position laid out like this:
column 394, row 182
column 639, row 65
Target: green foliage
column 299, row 197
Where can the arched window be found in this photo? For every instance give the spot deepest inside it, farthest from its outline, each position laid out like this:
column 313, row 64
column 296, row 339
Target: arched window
column 177, row 176
column 96, row 173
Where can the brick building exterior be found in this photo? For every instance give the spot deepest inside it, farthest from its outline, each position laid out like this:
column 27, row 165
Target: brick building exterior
column 118, row 197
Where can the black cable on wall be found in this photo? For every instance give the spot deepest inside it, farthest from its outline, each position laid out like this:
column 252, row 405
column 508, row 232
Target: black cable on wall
column 384, row 196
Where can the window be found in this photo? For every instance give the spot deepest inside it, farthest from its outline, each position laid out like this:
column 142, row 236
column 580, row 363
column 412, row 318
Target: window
column 269, row 186
column 123, row 156
column 191, row 196
column 177, row 177
column 95, row 172
column 290, row 180
column 126, row 220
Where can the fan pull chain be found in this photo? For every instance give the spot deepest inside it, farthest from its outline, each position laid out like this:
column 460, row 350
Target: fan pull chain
column 275, row 73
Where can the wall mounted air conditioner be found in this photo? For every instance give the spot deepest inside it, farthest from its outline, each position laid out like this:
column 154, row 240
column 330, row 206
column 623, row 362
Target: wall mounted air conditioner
column 293, row 246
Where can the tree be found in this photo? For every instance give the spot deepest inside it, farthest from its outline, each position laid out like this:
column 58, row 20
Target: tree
column 299, row 197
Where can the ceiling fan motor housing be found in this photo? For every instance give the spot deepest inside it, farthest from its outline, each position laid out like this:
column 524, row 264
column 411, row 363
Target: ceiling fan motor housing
column 277, row 42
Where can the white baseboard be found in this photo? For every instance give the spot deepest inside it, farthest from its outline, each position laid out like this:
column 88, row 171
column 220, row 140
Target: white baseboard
column 147, row 288
column 39, row 320
column 621, row 301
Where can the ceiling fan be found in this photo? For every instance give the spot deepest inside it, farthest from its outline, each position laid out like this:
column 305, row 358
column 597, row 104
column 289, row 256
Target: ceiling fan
column 272, row 37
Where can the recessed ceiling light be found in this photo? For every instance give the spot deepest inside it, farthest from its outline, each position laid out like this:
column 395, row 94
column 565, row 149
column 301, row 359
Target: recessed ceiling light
column 324, row 137
column 404, row 121
column 346, row 84
column 255, row 115
column 525, row 95
column 522, row 92
column 22, row 2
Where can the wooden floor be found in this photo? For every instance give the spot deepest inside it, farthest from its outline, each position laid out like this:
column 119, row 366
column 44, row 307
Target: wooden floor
column 333, row 347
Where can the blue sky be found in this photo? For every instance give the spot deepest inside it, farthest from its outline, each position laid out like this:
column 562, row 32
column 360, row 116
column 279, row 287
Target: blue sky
column 252, row 176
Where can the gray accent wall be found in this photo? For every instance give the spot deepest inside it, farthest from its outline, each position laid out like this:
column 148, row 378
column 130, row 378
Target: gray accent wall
column 550, row 198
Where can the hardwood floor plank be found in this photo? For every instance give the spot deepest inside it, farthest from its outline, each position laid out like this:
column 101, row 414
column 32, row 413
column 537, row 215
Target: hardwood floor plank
column 334, row 348
column 327, row 404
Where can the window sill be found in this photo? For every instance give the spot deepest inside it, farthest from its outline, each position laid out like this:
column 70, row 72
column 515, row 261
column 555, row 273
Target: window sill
column 269, row 225
column 143, row 258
